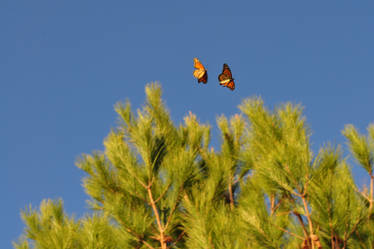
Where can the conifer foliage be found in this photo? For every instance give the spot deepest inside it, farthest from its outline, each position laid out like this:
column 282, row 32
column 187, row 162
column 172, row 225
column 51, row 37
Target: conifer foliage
column 158, row 185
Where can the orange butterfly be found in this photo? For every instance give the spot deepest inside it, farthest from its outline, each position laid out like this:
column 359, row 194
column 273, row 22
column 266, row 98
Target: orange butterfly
column 225, row 78
column 200, row 72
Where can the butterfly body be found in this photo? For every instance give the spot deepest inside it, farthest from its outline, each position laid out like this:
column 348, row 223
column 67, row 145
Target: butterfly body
column 200, row 72
column 225, row 78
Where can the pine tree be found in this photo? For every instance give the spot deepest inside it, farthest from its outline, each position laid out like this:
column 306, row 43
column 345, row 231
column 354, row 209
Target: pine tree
column 158, row 185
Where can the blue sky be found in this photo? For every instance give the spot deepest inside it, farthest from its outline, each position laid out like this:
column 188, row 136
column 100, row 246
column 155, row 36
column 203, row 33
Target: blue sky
column 64, row 64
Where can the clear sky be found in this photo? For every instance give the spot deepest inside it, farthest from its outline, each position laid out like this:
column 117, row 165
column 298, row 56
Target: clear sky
column 64, row 64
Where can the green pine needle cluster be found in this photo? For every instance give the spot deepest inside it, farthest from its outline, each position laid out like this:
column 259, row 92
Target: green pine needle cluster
column 159, row 185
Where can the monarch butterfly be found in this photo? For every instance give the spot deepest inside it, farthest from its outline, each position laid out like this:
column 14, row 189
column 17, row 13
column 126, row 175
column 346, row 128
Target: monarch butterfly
column 225, row 78
column 200, row 72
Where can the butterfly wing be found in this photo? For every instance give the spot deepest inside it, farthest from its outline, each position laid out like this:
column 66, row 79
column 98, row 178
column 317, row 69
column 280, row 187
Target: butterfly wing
column 203, row 78
column 197, row 64
column 231, row 85
column 226, row 70
column 200, row 73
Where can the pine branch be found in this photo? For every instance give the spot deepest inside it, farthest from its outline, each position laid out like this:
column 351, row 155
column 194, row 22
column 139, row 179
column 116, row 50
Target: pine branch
column 273, row 207
column 133, row 233
column 298, row 216
column 163, row 193
column 371, row 191
column 137, row 178
column 179, row 237
column 289, row 232
column 355, row 227
column 171, row 214
column 272, row 203
column 293, row 181
column 308, row 216
column 158, row 220
column 363, row 194
column 231, row 194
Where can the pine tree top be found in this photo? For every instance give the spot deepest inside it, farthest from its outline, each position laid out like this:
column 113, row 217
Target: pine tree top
column 161, row 185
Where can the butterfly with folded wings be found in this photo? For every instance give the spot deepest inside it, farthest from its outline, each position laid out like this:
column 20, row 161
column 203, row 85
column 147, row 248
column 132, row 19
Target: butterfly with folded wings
column 225, row 78
column 200, row 72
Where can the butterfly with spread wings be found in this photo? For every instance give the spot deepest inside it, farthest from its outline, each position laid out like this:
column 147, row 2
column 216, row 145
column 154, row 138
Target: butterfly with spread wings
column 200, row 72
column 225, row 78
